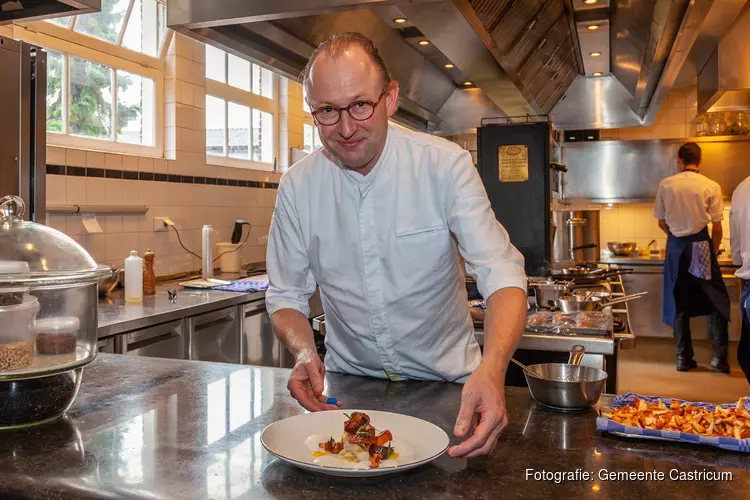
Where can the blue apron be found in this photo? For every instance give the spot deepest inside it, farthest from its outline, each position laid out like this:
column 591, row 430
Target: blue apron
column 709, row 295
column 743, row 351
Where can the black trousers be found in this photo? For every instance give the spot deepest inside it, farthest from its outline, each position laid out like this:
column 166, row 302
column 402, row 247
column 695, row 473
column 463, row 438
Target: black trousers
column 743, row 351
column 685, row 291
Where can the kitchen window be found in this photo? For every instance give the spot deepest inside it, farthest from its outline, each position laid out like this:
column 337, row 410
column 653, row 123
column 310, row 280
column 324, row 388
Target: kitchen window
column 311, row 138
column 240, row 112
column 137, row 25
column 90, row 100
column 105, row 76
column 238, row 73
column 239, row 132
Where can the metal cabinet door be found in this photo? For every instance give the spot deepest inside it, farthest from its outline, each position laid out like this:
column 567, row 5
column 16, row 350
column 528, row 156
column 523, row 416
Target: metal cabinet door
column 215, row 336
column 161, row 341
column 261, row 346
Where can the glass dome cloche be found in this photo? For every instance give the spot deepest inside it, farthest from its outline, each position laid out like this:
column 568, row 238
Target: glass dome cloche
column 48, row 317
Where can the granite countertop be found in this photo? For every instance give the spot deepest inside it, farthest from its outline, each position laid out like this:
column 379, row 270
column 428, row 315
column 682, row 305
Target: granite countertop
column 115, row 316
column 165, row 429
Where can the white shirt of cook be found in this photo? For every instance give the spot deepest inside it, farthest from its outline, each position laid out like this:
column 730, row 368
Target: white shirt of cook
column 688, row 201
column 384, row 250
column 739, row 229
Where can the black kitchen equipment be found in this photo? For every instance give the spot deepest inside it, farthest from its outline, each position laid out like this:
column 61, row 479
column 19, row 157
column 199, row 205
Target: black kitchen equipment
column 524, row 187
column 237, row 231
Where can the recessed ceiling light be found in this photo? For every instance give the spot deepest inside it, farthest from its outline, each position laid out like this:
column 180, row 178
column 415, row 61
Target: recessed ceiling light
column 449, row 66
column 592, row 27
column 595, row 54
column 424, row 42
column 468, row 83
column 590, row 2
column 597, row 73
column 399, row 20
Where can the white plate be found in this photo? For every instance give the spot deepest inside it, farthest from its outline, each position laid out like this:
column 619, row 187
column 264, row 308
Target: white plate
column 294, row 440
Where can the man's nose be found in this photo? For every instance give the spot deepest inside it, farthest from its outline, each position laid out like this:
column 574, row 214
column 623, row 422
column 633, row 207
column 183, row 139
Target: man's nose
column 347, row 126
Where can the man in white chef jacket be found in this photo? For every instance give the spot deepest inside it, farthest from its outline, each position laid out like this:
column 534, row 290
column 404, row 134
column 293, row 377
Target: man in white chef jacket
column 377, row 218
column 739, row 234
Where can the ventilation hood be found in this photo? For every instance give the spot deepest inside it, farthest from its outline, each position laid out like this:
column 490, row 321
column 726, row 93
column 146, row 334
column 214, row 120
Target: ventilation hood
column 32, row 10
column 522, row 57
column 724, row 80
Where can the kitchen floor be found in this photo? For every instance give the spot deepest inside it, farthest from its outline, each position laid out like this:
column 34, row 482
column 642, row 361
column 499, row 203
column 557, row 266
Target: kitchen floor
column 650, row 369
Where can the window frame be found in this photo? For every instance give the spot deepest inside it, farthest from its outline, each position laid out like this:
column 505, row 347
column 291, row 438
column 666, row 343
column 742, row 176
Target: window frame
column 228, row 93
column 71, row 43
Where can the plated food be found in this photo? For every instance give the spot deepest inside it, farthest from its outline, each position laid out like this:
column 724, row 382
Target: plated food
column 309, row 441
column 684, row 417
column 360, row 442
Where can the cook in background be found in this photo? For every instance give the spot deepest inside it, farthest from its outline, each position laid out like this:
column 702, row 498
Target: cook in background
column 739, row 228
column 377, row 218
column 685, row 204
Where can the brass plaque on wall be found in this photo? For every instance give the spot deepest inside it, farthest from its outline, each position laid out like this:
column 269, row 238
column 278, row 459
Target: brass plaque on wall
column 513, row 162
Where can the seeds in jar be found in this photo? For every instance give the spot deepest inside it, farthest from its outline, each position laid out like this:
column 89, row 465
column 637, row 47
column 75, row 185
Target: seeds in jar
column 16, row 355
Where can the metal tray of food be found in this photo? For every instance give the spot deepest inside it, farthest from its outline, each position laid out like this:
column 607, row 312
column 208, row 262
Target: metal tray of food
column 650, row 417
column 592, row 323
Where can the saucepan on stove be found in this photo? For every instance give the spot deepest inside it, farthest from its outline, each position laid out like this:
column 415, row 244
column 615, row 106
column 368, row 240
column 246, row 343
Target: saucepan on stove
column 575, row 303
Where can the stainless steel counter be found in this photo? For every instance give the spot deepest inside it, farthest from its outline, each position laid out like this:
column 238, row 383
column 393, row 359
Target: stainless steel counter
column 649, row 261
column 115, row 316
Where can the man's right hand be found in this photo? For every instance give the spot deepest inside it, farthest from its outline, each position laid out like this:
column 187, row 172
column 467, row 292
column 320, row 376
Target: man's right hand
column 306, row 382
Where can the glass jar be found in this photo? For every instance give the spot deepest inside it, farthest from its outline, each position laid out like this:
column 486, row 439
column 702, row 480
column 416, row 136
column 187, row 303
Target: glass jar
column 49, row 283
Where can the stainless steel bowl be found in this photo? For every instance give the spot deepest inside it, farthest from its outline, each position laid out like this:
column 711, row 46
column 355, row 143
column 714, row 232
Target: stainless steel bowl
column 621, row 249
column 566, row 387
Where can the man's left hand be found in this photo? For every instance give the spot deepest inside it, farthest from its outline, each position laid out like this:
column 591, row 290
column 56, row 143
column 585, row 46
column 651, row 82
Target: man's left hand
column 483, row 393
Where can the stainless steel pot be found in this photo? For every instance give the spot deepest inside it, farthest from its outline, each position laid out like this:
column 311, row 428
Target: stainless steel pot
column 566, row 387
column 575, row 303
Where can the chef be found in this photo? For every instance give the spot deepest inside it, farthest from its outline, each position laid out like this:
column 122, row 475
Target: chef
column 378, row 219
column 685, row 204
column 739, row 233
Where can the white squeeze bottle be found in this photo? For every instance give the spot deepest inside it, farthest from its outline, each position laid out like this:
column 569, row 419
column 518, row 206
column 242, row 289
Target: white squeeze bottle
column 208, row 251
column 133, row 278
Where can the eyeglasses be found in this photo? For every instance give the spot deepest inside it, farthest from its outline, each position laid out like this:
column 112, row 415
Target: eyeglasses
column 359, row 110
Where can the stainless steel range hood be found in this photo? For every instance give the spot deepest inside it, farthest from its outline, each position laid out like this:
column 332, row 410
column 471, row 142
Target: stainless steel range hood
column 724, row 80
column 32, row 10
column 524, row 57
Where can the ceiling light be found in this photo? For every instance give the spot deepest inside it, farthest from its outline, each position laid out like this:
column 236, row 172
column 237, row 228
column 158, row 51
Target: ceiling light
column 399, row 20
column 468, row 83
column 595, row 54
column 592, row 27
column 424, row 42
column 590, row 2
column 449, row 66
column 596, row 73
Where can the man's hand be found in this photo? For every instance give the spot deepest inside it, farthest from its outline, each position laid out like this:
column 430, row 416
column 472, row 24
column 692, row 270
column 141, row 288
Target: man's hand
column 483, row 393
column 306, row 382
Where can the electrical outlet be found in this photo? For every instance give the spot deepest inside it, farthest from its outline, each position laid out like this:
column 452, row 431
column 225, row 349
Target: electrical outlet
column 162, row 224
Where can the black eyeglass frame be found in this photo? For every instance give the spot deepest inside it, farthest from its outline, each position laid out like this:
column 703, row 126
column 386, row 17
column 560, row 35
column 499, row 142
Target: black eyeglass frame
column 373, row 104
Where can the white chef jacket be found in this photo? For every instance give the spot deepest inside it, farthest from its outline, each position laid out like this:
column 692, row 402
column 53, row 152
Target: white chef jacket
column 688, row 201
column 384, row 250
column 739, row 229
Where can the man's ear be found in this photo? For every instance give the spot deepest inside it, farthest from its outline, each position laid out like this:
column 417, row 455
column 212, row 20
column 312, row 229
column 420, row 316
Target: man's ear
column 391, row 98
